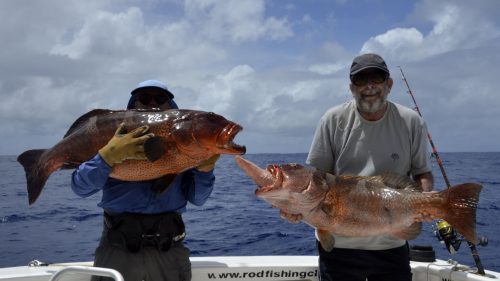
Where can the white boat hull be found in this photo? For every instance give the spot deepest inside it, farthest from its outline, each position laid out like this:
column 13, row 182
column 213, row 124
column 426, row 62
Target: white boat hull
column 252, row 268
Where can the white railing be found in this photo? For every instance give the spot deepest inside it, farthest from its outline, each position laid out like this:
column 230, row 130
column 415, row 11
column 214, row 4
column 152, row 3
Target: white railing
column 88, row 270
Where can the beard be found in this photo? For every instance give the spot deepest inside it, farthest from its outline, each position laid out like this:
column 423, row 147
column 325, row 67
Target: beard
column 371, row 100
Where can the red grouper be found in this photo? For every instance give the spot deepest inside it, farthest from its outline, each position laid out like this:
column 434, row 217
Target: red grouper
column 361, row 206
column 183, row 139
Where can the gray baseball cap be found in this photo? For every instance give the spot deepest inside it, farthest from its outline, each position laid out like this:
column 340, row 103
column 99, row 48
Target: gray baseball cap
column 366, row 61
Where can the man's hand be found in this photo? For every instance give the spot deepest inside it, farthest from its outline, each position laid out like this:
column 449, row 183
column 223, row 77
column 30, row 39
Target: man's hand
column 209, row 164
column 425, row 180
column 123, row 146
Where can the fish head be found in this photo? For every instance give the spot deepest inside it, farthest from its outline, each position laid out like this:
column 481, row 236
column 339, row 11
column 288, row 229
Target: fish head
column 292, row 187
column 209, row 133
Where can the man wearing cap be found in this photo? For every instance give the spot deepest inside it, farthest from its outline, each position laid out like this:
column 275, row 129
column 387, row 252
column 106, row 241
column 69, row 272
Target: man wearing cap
column 143, row 228
column 368, row 136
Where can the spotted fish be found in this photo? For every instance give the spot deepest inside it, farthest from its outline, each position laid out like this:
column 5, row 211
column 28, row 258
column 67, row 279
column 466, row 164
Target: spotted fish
column 183, row 139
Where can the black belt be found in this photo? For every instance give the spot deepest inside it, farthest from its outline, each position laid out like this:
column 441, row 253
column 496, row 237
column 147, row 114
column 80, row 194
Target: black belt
column 133, row 231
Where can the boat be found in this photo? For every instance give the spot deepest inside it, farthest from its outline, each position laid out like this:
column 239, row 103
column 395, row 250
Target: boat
column 242, row 268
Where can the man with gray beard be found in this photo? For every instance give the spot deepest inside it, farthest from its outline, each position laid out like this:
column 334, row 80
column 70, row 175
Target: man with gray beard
column 369, row 136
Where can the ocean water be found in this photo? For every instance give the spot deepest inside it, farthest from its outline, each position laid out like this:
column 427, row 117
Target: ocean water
column 61, row 227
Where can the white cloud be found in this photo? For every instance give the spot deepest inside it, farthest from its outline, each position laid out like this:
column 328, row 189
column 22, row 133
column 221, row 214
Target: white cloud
column 237, row 20
column 455, row 26
column 271, row 102
column 106, row 33
column 327, row 69
column 225, row 92
column 126, row 43
column 396, row 42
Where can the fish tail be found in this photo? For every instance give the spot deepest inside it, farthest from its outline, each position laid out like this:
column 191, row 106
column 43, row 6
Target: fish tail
column 461, row 205
column 36, row 173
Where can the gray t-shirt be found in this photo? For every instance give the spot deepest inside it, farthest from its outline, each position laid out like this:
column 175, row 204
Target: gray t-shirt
column 347, row 144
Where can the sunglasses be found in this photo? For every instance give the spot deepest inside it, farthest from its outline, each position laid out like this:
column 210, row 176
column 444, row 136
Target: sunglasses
column 146, row 99
column 362, row 79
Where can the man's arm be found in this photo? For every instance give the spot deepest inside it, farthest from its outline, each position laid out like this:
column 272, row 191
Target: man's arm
column 198, row 186
column 90, row 177
column 426, row 180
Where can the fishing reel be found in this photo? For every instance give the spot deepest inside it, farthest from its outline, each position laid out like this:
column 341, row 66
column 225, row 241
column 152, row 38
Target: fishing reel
column 446, row 234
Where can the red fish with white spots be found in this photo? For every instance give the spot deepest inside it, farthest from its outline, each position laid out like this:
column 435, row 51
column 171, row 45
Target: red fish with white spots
column 361, row 206
column 183, row 139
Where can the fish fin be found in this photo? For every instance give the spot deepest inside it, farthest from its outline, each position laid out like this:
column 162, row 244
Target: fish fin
column 326, row 239
column 409, row 233
column 84, row 118
column 292, row 218
column 460, row 209
column 36, row 176
column 154, row 148
column 162, row 184
column 397, row 181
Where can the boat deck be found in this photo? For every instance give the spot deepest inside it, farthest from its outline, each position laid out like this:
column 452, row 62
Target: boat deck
column 245, row 268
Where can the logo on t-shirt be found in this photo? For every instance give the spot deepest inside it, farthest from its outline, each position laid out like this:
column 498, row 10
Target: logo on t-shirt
column 395, row 156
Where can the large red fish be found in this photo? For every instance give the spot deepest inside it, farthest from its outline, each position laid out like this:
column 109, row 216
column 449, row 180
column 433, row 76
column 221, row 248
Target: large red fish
column 183, row 139
column 361, row 206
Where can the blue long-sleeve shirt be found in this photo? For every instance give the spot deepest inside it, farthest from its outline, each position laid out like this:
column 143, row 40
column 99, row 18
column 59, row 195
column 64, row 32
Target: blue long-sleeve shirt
column 138, row 196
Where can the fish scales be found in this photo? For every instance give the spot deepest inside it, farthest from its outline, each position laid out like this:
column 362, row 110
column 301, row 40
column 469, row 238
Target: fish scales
column 384, row 208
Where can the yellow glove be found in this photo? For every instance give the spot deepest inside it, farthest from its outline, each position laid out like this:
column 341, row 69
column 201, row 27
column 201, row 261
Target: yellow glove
column 208, row 164
column 123, row 146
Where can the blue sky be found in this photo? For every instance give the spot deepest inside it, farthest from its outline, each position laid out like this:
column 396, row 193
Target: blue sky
column 273, row 66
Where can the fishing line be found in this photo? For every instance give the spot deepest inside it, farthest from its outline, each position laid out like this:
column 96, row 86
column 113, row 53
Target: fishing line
column 443, row 227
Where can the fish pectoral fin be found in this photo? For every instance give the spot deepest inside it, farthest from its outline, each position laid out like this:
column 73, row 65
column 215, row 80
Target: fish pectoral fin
column 408, row 233
column 162, row 184
column 326, row 239
column 293, row 218
column 154, row 148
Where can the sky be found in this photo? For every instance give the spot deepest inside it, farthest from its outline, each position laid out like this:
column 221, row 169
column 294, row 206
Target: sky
column 275, row 67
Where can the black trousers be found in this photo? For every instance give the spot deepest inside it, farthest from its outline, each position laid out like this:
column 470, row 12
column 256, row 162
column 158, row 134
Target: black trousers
column 148, row 262
column 361, row 265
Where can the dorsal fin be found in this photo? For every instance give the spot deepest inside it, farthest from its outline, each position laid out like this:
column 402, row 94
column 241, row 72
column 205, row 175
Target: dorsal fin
column 85, row 117
column 398, row 181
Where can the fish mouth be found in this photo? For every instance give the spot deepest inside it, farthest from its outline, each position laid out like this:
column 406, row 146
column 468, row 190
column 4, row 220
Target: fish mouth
column 276, row 175
column 266, row 179
column 225, row 140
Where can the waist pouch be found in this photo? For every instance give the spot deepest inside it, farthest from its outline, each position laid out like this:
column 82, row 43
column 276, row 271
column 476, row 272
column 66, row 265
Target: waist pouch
column 131, row 231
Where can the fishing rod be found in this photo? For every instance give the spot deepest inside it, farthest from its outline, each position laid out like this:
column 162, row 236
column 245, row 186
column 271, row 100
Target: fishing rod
column 445, row 232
